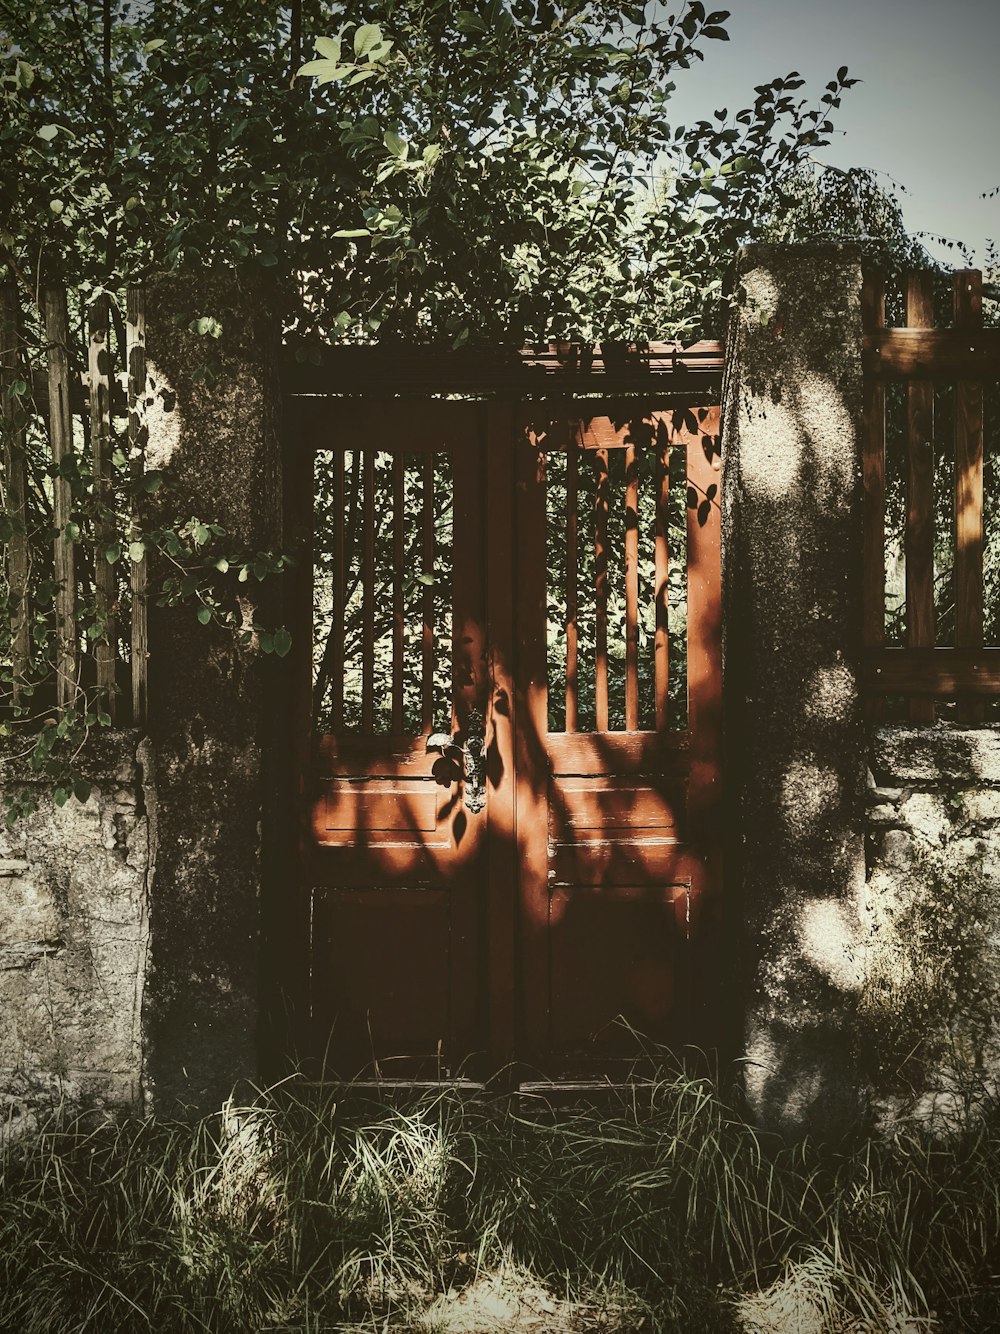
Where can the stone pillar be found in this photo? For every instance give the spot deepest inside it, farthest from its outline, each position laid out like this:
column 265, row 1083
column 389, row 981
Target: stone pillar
column 792, row 589
column 212, row 431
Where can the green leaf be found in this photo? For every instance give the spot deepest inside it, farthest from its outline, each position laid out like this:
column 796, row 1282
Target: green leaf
column 48, row 132
column 113, row 553
column 154, row 45
column 136, row 551
column 469, row 22
column 266, row 641
column 204, row 615
column 328, row 47
column 81, row 791
column 325, row 71
column 60, row 796
column 397, row 147
column 282, row 642
column 353, row 231
column 367, row 36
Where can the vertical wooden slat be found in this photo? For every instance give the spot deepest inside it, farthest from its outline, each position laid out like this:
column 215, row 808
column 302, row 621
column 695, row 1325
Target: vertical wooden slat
column 427, row 569
column 339, row 590
column 532, row 769
column 661, row 574
column 704, row 800
column 968, row 308
column 468, row 817
column 105, row 578
column 502, row 861
column 398, row 557
column 135, row 348
column 15, row 489
column 631, row 590
column 601, row 590
column 572, row 647
column 368, row 597
column 920, row 491
column 61, row 437
column 873, row 465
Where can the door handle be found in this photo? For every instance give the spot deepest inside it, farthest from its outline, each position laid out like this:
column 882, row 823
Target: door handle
column 471, row 757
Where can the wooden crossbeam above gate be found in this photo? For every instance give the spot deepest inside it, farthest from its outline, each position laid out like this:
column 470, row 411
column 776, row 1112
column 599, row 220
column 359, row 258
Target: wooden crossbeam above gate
column 558, row 367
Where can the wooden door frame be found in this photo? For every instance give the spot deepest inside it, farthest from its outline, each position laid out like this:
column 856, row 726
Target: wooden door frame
column 662, row 373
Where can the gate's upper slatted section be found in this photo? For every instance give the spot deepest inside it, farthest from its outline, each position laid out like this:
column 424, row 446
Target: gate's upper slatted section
column 618, row 597
column 375, row 626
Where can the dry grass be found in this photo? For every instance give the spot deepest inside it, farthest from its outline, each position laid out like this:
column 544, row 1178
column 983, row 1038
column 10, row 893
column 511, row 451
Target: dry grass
column 297, row 1212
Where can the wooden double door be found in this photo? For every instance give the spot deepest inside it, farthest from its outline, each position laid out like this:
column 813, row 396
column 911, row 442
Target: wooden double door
column 510, row 787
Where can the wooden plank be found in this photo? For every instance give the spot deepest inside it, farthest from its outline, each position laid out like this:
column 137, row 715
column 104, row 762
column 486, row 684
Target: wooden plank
column 79, row 397
column 350, row 754
column 968, row 311
column 661, row 591
column 947, row 673
column 16, row 485
column 415, row 370
column 572, row 557
column 502, row 863
column 920, row 491
column 873, row 464
column 427, row 569
column 339, row 628
column 588, row 753
column 61, row 439
column 431, row 427
column 703, row 827
column 601, row 501
column 135, row 346
column 587, row 805
column 940, row 354
column 398, row 611
column 631, row 590
column 100, row 371
column 368, row 595
column 531, row 706
column 470, row 703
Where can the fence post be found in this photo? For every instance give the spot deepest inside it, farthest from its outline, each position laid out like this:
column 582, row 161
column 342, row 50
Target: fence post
column 211, row 430
column 61, row 438
column 12, row 368
column 793, row 412
column 100, row 373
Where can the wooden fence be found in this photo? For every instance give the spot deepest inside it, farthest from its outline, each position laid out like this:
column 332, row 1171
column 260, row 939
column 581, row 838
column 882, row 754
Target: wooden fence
column 100, row 384
column 921, row 358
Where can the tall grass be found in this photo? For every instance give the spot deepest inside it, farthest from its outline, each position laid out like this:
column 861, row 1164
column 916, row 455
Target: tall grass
column 303, row 1211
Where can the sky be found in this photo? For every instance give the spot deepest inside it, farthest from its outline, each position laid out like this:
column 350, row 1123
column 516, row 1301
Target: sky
column 927, row 111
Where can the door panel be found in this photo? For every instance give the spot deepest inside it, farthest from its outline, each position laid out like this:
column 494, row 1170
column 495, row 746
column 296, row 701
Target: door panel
column 544, row 584
column 618, row 681
column 396, row 838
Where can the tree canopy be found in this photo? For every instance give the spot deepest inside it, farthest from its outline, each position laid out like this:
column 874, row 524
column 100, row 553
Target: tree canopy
column 510, row 171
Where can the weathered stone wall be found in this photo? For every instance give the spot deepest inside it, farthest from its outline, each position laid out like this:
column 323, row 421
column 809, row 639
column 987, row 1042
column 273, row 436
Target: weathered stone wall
column 75, row 885
column 213, row 434
column 795, row 746
column 929, row 1019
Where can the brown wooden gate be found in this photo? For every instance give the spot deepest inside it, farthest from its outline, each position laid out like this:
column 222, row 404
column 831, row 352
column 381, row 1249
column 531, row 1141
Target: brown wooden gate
column 510, row 776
